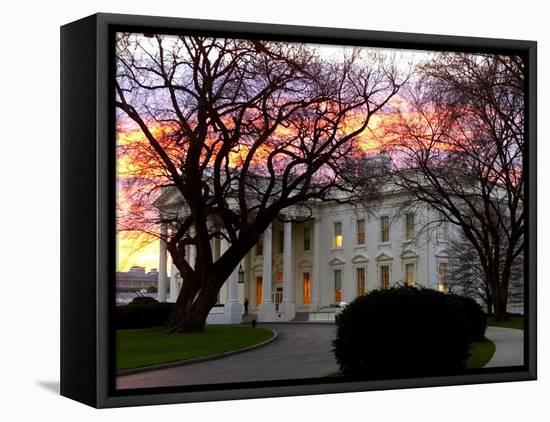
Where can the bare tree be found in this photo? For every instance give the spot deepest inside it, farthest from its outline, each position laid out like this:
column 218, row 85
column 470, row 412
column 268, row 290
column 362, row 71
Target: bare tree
column 466, row 275
column 242, row 130
column 458, row 145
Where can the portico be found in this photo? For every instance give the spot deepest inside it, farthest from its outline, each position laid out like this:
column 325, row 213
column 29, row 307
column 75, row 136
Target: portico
column 279, row 275
column 275, row 306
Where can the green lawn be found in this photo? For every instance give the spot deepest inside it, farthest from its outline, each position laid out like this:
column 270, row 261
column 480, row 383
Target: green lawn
column 480, row 353
column 513, row 321
column 143, row 347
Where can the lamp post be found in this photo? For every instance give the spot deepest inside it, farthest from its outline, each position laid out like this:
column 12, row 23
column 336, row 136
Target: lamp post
column 241, row 274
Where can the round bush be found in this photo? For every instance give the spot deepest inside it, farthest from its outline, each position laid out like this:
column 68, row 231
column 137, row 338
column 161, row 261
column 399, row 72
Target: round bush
column 473, row 314
column 143, row 315
column 399, row 332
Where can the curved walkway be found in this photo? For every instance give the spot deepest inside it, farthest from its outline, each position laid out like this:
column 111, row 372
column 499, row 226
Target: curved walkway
column 508, row 347
column 298, row 352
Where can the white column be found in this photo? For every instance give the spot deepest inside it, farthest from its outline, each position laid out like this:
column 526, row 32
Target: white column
column 192, row 251
column 288, row 305
column 224, row 245
column 233, row 290
column 266, row 310
column 242, row 286
column 174, row 288
column 316, row 270
column 163, row 257
column 233, row 310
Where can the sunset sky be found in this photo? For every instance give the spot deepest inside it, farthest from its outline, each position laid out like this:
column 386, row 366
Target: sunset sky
column 141, row 249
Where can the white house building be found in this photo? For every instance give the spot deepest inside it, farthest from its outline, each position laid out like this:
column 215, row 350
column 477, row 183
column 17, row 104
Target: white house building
column 304, row 271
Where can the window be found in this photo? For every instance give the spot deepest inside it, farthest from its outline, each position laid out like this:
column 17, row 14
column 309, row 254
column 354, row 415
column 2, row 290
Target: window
column 260, row 246
column 385, row 276
column 385, row 229
column 360, row 274
column 442, row 229
column 259, row 287
column 279, row 276
column 409, row 230
column 307, row 288
column 409, row 274
column 338, row 286
column 361, row 231
column 338, row 235
column 307, row 238
column 281, row 245
column 442, row 270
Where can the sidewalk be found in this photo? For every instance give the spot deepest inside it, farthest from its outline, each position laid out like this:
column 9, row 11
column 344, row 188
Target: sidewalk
column 509, row 347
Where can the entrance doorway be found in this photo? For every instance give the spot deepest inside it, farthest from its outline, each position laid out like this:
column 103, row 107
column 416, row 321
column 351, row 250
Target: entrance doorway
column 277, row 297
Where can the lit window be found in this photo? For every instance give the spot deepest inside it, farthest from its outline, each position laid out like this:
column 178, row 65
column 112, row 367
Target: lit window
column 281, row 241
column 307, row 238
column 338, row 235
column 259, row 286
column 338, row 286
column 361, row 232
column 442, row 270
column 409, row 274
column 307, row 288
column 260, row 246
column 385, row 276
column 385, row 229
column 409, row 226
column 360, row 273
column 279, row 276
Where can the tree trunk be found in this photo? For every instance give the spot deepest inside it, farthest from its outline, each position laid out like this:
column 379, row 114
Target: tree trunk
column 191, row 318
column 192, row 307
column 489, row 302
column 500, row 302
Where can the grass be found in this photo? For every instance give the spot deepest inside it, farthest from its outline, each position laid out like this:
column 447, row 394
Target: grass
column 481, row 352
column 144, row 347
column 513, row 321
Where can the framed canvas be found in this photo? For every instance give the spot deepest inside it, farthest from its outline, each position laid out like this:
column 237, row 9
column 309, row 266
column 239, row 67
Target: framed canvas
column 253, row 210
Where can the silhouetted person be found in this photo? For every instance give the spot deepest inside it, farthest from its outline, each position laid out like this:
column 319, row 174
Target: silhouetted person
column 253, row 322
column 245, row 306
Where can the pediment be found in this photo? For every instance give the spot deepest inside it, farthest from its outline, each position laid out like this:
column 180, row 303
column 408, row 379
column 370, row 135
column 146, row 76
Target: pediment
column 359, row 259
column 409, row 254
column 304, row 263
column 336, row 261
column 384, row 257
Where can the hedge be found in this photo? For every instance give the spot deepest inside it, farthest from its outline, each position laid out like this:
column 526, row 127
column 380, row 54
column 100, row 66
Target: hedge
column 401, row 332
column 143, row 315
column 473, row 314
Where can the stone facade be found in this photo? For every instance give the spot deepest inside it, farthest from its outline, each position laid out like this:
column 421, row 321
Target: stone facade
column 341, row 252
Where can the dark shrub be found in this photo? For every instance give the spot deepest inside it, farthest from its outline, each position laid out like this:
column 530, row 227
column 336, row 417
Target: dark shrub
column 142, row 315
column 401, row 331
column 143, row 299
column 474, row 317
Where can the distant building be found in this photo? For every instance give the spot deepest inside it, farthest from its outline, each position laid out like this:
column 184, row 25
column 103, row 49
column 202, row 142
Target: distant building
column 137, row 279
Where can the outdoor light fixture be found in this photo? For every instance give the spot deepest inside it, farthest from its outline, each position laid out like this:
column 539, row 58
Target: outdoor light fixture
column 241, row 274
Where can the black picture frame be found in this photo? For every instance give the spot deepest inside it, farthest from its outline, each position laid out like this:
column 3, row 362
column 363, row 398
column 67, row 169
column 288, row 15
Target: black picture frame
column 88, row 195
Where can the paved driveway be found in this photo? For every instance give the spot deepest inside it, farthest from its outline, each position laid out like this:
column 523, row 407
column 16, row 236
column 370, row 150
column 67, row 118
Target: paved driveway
column 302, row 350
column 508, row 347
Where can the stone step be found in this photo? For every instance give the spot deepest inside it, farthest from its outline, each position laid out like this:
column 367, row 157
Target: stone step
column 301, row 316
